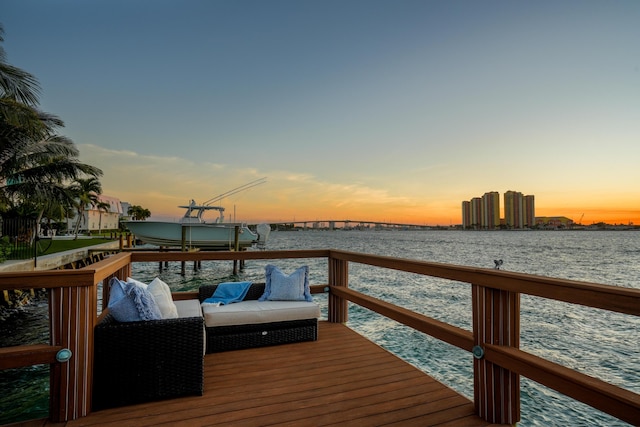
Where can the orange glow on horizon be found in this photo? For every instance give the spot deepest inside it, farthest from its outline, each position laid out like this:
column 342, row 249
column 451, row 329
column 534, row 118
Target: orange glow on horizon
column 271, row 213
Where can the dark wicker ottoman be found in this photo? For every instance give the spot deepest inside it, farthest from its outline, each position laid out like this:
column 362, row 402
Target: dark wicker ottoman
column 236, row 337
column 137, row 362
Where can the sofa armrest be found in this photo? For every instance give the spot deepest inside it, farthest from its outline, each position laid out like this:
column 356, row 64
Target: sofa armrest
column 142, row 361
column 255, row 291
column 188, row 308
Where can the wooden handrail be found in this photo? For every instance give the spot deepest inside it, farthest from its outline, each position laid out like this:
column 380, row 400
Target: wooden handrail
column 614, row 400
column 106, row 267
column 443, row 331
column 226, row 255
column 612, row 298
column 27, row 355
column 45, row 279
column 592, row 391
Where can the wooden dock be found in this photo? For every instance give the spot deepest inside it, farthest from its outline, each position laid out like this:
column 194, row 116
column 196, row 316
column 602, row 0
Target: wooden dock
column 341, row 379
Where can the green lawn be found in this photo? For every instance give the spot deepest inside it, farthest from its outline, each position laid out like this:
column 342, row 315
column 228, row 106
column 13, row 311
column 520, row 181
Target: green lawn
column 47, row 246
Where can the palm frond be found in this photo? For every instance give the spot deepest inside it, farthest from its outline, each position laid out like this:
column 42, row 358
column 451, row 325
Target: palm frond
column 16, row 83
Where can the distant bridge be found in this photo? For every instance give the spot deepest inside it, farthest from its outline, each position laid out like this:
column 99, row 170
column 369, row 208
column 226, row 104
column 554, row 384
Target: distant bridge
column 347, row 224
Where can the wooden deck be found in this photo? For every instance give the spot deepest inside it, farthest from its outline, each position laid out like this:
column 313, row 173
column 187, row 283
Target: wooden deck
column 341, row 379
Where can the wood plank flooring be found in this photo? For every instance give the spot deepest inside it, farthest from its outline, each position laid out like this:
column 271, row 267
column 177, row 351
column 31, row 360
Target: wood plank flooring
column 341, row 379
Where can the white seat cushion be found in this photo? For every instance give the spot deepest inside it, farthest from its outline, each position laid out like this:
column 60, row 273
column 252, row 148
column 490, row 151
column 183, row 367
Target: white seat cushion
column 188, row 308
column 255, row 312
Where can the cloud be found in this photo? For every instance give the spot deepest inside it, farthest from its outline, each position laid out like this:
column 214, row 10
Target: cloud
column 160, row 184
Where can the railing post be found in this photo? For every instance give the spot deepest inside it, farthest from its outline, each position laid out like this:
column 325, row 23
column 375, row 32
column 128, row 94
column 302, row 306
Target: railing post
column 496, row 320
column 236, row 247
column 338, row 276
column 72, row 313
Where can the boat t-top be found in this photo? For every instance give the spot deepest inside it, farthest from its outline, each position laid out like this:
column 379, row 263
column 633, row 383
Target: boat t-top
column 195, row 212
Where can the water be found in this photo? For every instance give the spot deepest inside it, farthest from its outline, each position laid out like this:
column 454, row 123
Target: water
column 602, row 344
column 24, row 393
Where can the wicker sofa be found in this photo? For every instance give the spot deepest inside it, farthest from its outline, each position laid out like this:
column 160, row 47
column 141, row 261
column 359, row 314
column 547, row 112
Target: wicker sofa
column 262, row 333
column 142, row 361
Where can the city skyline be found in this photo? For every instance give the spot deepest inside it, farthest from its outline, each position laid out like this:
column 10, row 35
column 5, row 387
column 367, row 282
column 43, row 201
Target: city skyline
column 485, row 212
column 372, row 109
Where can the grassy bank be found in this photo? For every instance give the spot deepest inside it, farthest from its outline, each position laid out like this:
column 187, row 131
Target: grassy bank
column 47, row 246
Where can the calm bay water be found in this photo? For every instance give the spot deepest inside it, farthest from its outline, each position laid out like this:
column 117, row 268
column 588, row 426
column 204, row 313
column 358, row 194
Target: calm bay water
column 602, row 344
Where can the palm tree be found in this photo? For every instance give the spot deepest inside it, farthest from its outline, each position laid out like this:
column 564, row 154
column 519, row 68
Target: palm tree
column 102, row 207
column 138, row 213
column 86, row 192
column 56, row 211
column 36, row 163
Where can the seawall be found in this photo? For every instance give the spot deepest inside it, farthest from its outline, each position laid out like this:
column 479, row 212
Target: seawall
column 11, row 301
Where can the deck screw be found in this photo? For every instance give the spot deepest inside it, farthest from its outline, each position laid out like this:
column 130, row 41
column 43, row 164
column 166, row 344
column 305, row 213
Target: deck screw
column 63, row 355
column 478, row 352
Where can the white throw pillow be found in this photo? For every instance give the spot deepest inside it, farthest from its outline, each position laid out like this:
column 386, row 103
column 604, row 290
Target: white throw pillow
column 137, row 282
column 162, row 294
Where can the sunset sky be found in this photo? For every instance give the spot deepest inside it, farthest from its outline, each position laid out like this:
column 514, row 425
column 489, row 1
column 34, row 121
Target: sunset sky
column 366, row 110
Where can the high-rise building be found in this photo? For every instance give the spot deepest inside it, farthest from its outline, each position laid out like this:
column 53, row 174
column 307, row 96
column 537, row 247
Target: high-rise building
column 519, row 210
column 529, row 211
column 513, row 209
column 466, row 214
column 476, row 212
column 490, row 210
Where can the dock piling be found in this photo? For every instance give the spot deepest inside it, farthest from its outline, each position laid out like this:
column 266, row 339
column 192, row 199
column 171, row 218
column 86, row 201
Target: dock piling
column 236, row 247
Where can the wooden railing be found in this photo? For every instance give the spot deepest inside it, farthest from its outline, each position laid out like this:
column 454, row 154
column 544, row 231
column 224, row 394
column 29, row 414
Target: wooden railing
column 496, row 330
column 72, row 313
column 494, row 340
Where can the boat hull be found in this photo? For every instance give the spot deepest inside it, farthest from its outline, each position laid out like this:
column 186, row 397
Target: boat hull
column 198, row 235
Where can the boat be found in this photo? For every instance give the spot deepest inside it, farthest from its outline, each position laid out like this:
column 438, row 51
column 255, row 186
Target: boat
column 194, row 231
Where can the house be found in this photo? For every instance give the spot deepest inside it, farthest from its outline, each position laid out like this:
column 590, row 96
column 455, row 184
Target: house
column 96, row 219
